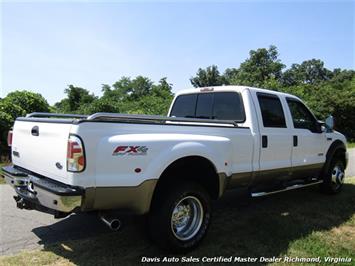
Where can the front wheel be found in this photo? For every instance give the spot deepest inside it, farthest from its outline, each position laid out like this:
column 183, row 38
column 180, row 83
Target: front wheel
column 333, row 179
column 180, row 217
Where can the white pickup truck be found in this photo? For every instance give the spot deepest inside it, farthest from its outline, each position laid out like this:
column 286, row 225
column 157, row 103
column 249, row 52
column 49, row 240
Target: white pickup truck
column 170, row 168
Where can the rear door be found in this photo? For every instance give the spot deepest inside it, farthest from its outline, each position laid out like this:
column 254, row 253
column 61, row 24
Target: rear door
column 308, row 153
column 275, row 139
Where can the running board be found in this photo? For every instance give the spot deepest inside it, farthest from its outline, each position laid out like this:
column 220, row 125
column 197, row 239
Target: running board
column 261, row 194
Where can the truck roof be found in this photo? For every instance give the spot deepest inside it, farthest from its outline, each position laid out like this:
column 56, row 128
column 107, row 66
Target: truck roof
column 231, row 88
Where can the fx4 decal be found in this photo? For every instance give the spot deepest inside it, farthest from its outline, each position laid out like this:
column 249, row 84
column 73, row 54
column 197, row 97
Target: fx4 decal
column 130, row 150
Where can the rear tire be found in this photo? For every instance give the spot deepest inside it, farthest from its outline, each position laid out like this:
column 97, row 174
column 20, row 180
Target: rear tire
column 333, row 178
column 180, row 217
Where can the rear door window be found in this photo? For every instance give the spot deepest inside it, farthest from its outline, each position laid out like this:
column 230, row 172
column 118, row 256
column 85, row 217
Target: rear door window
column 271, row 110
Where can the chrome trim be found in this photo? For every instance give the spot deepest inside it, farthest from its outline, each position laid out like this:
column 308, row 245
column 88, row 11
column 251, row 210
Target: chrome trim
column 187, row 217
column 39, row 114
column 57, row 202
column 16, row 181
column 113, row 223
column 156, row 119
column 62, row 203
column 337, row 176
column 261, row 194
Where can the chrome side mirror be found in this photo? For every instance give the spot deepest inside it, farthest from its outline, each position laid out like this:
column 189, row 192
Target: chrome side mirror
column 329, row 123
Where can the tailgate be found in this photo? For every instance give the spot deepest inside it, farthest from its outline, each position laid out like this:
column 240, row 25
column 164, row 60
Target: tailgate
column 41, row 147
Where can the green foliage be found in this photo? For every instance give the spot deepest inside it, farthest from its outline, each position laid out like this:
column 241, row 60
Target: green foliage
column 15, row 104
column 262, row 65
column 8, row 114
column 128, row 89
column 28, row 101
column 11, row 109
column 309, row 72
column 133, row 96
column 76, row 97
column 208, row 77
column 336, row 97
column 140, row 95
column 99, row 105
column 324, row 91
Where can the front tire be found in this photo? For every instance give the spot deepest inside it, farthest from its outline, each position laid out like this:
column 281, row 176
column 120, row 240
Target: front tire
column 333, row 179
column 180, row 217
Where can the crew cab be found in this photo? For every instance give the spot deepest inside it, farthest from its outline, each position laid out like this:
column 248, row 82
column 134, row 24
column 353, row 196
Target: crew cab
column 170, row 168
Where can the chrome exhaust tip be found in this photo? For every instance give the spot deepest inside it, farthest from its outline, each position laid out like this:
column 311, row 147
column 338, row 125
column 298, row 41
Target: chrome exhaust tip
column 113, row 223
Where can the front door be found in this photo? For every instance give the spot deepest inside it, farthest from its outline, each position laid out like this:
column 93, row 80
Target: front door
column 308, row 141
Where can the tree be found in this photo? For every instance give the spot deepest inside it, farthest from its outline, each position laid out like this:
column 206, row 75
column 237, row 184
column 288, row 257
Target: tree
column 28, row 101
column 156, row 99
column 76, row 97
column 127, row 88
column 340, row 75
column 262, row 65
column 230, row 74
column 207, row 77
column 325, row 91
column 9, row 111
column 159, row 100
column 134, row 96
column 328, row 98
column 99, row 105
column 309, row 72
column 19, row 103
column 162, row 89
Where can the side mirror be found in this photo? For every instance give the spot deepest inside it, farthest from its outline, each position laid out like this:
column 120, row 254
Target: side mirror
column 319, row 127
column 329, row 123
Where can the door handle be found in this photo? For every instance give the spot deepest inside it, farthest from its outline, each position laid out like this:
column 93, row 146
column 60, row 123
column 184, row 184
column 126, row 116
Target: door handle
column 264, row 141
column 35, row 131
column 295, row 141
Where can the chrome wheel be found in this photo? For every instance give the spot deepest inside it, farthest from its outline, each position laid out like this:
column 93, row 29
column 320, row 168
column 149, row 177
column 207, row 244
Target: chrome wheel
column 187, row 217
column 337, row 176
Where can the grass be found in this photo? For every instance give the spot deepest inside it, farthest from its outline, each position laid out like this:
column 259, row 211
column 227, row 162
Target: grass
column 301, row 223
column 350, row 145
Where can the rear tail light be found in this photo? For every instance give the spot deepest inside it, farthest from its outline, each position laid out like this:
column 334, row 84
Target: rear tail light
column 9, row 138
column 75, row 154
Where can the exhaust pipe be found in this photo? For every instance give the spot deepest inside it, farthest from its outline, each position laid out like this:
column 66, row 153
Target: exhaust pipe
column 113, row 223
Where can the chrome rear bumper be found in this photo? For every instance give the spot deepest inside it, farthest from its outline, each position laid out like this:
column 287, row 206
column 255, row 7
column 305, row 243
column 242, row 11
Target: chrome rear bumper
column 42, row 193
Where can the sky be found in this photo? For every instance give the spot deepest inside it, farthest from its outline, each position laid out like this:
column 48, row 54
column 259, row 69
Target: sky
column 45, row 46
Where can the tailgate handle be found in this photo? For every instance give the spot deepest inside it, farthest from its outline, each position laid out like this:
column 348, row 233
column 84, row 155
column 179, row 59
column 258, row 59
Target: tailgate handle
column 35, row 131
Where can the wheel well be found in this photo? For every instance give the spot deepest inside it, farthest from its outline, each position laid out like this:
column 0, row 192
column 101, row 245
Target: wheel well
column 337, row 148
column 341, row 153
column 194, row 168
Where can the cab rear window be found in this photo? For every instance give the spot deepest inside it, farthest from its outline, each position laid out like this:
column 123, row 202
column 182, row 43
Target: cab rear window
column 215, row 105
